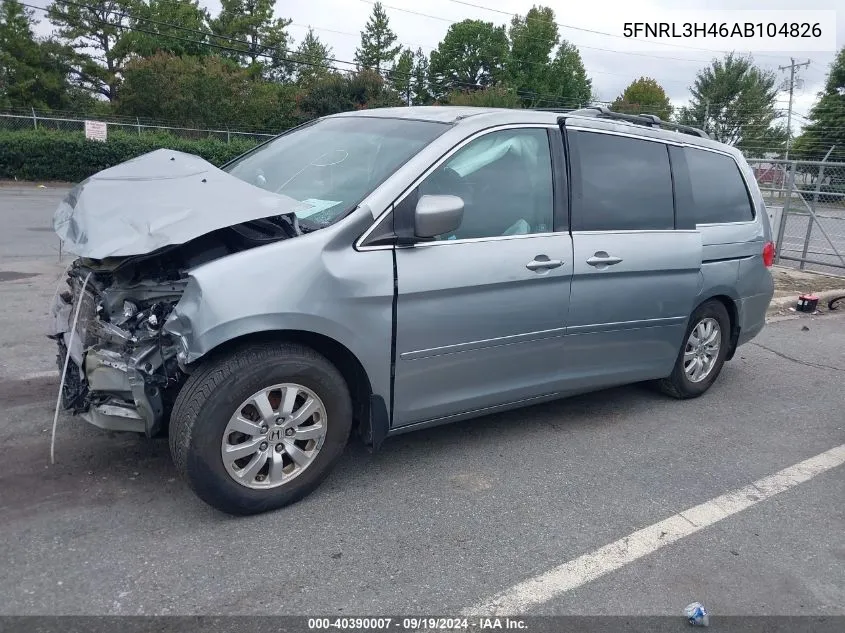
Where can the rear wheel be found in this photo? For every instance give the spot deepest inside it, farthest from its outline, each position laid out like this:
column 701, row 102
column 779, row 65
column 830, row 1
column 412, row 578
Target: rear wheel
column 702, row 353
column 261, row 427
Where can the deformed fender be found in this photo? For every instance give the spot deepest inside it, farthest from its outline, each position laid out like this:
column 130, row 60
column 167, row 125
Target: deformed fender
column 300, row 284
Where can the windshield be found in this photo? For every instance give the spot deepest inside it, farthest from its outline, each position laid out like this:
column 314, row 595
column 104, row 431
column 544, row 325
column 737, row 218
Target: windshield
column 333, row 164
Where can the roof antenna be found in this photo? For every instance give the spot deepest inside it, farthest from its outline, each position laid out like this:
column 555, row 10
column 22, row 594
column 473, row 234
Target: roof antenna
column 64, row 370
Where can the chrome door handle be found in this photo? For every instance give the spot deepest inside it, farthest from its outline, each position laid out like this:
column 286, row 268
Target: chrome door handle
column 543, row 264
column 603, row 259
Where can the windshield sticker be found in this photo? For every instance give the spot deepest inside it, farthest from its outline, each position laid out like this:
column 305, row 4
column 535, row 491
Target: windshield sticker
column 314, row 205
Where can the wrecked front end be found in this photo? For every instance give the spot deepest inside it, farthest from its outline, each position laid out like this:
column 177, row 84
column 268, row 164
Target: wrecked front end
column 122, row 372
column 138, row 229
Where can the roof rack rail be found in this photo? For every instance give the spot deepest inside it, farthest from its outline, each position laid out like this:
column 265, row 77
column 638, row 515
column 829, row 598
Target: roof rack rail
column 561, row 110
column 650, row 120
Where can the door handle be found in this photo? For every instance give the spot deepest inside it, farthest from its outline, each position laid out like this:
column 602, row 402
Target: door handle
column 543, row 264
column 603, row 259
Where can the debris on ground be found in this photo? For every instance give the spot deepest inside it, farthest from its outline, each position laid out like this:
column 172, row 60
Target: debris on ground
column 697, row 615
column 796, row 290
column 807, row 303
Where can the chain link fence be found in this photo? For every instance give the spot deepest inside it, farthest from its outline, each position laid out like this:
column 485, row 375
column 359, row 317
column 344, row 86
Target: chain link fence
column 807, row 204
column 806, row 199
column 71, row 122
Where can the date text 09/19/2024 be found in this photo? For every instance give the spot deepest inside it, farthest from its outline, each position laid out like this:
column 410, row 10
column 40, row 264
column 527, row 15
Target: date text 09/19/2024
column 416, row 623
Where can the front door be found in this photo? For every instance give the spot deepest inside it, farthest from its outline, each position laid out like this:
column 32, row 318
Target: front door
column 635, row 277
column 481, row 313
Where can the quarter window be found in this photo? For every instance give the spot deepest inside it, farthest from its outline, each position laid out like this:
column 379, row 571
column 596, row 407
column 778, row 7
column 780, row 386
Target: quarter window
column 718, row 191
column 505, row 181
column 620, row 183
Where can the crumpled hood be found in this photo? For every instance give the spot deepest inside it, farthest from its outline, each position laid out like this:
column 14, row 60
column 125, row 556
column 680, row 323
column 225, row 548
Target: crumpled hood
column 158, row 199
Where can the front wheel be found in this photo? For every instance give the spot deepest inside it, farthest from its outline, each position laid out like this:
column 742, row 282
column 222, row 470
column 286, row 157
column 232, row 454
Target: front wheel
column 261, row 427
column 702, row 354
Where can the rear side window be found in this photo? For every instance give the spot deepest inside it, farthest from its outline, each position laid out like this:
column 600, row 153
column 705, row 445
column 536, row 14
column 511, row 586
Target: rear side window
column 620, row 183
column 718, row 192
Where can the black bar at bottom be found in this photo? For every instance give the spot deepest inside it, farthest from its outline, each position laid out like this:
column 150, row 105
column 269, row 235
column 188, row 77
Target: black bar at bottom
column 532, row 624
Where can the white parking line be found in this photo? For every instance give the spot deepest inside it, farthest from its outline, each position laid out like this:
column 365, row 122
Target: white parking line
column 577, row 572
column 41, row 374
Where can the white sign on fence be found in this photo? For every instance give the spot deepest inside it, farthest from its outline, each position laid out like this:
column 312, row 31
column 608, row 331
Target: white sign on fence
column 96, row 130
column 775, row 214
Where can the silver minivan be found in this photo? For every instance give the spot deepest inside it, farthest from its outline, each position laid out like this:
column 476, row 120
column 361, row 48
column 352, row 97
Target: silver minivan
column 387, row 270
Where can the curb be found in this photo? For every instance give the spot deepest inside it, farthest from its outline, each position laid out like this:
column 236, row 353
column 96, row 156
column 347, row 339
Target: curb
column 783, row 302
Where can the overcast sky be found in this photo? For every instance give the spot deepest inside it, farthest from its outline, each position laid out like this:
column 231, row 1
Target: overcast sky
column 339, row 22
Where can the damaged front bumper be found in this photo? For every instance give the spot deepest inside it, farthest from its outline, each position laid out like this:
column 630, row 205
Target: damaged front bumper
column 120, row 376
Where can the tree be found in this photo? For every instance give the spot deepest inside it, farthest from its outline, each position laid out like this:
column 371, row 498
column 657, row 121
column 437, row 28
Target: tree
column 568, row 85
column 378, row 46
column 532, row 41
column 421, row 94
column 209, row 91
column 189, row 34
column 401, row 75
column 95, row 31
column 734, row 101
column 32, row 72
column 313, row 60
column 827, row 118
column 471, row 56
column 249, row 27
column 494, row 97
column 341, row 93
column 644, row 95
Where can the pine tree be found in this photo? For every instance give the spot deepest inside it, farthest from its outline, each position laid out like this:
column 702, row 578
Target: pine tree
column 377, row 49
column 95, row 30
column 421, row 95
column 249, row 27
column 401, row 75
column 313, row 60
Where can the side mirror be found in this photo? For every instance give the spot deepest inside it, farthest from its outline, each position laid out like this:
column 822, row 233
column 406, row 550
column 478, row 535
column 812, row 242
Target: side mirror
column 436, row 215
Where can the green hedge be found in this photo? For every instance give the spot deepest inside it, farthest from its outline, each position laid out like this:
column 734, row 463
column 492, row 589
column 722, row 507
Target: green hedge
column 70, row 157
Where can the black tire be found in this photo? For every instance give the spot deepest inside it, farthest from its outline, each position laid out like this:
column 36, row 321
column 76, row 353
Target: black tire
column 677, row 384
column 213, row 392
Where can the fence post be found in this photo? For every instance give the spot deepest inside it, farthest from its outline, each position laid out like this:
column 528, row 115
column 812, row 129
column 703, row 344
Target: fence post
column 34, row 119
column 812, row 216
column 783, row 216
column 138, row 123
column 228, row 136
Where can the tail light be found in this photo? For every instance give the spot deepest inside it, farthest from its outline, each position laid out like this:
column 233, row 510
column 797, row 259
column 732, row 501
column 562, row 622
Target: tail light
column 768, row 254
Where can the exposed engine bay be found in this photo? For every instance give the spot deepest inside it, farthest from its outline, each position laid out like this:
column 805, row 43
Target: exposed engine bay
column 123, row 372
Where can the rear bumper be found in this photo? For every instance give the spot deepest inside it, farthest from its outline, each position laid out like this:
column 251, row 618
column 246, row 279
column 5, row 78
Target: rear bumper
column 752, row 316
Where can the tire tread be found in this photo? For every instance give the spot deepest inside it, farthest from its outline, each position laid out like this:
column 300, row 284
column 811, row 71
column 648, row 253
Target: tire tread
column 213, row 373
column 675, row 385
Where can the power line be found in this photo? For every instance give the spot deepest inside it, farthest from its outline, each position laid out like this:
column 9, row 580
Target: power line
column 595, row 32
column 547, row 97
column 606, row 50
column 552, row 99
column 595, row 48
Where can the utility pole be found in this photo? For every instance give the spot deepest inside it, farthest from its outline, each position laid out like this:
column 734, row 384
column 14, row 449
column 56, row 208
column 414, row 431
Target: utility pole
column 791, row 68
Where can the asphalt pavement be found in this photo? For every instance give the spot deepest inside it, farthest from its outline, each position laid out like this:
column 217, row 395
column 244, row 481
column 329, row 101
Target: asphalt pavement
column 438, row 520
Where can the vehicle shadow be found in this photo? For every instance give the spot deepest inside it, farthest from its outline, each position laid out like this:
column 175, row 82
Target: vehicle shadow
column 96, row 468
